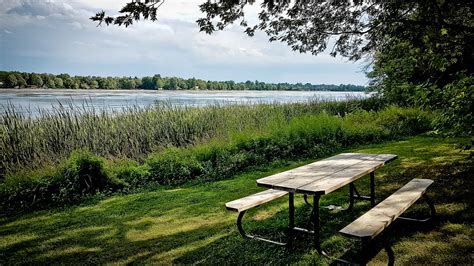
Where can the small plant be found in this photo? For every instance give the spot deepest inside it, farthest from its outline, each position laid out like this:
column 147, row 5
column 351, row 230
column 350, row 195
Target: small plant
column 83, row 174
column 174, row 166
column 132, row 173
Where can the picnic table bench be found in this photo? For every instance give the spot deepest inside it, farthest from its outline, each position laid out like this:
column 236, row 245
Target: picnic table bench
column 325, row 176
column 373, row 222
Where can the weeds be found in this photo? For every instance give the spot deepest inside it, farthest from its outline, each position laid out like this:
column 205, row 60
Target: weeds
column 135, row 132
column 209, row 143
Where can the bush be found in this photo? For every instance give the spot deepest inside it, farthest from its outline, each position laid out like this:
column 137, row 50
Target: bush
column 221, row 160
column 173, row 166
column 133, row 174
column 306, row 136
column 404, row 121
column 83, row 174
column 455, row 117
column 361, row 127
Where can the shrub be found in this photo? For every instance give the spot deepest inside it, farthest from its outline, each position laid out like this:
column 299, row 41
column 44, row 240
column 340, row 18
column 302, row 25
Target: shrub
column 173, row 166
column 304, row 136
column 455, row 116
column 81, row 175
column 221, row 160
column 84, row 174
column 404, row 121
column 133, row 174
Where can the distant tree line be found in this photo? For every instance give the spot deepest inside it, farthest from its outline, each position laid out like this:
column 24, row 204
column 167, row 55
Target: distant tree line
column 157, row 82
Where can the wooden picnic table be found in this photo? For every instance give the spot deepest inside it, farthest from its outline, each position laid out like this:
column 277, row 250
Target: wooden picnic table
column 323, row 177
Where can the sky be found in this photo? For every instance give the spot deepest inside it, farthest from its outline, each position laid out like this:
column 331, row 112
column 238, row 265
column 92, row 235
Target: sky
column 56, row 36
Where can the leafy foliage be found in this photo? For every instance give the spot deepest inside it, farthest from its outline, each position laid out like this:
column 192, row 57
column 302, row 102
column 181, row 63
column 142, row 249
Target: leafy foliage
column 136, row 132
column 174, row 166
column 422, row 50
column 438, row 75
column 305, row 136
column 358, row 27
column 81, row 175
column 134, row 10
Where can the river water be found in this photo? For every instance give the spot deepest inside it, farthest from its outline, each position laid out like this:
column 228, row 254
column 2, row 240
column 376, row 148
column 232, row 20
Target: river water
column 31, row 101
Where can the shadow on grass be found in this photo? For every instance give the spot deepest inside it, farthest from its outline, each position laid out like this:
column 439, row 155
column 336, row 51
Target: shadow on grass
column 447, row 239
column 190, row 225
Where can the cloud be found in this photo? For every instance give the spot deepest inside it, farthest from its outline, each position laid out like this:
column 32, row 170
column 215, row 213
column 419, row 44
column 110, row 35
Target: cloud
column 40, row 8
column 57, row 36
column 76, row 25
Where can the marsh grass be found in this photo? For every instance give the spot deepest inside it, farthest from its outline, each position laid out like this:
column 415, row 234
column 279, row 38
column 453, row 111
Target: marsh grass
column 134, row 132
column 82, row 155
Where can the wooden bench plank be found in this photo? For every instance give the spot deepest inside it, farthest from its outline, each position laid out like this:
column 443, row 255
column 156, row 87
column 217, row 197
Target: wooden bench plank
column 378, row 218
column 254, row 200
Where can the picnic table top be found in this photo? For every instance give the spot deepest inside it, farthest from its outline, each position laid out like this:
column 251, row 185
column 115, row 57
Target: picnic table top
column 325, row 176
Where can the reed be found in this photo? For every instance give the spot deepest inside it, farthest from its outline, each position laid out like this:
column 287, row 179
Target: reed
column 68, row 155
column 133, row 132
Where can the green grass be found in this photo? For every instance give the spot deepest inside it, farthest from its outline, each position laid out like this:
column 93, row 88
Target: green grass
column 189, row 224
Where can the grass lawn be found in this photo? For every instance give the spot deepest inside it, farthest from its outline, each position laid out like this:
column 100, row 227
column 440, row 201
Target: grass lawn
column 189, row 224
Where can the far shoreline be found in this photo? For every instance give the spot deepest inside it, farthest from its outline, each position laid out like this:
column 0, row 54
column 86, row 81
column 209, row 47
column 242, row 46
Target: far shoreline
column 29, row 90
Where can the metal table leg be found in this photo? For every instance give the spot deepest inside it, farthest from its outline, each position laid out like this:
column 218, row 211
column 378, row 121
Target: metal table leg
column 291, row 220
column 291, row 225
column 372, row 188
column 351, row 196
column 316, row 225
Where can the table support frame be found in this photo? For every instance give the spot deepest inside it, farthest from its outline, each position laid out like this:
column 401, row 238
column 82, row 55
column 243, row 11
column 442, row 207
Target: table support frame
column 314, row 217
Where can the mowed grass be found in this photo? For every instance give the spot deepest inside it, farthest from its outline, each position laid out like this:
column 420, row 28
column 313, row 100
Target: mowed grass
column 189, row 224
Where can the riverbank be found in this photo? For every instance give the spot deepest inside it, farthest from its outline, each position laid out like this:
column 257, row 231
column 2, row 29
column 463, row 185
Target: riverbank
column 189, row 224
column 65, row 158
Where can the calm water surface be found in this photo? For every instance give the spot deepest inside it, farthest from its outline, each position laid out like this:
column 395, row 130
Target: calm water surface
column 31, row 101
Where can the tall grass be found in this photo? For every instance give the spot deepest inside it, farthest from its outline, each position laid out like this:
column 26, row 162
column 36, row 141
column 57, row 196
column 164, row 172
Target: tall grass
column 75, row 156
column 31, row 142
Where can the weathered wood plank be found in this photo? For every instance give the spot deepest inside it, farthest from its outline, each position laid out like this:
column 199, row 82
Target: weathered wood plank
column 386, row 158
column 326, row 175
column 254, row 200
column 292, row 183
column 377, row 219
column 297, row 180
column 329, row 165
column 339, row 179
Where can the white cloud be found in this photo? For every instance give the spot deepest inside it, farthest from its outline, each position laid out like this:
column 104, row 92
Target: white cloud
column 61, row 33
column 76, row 25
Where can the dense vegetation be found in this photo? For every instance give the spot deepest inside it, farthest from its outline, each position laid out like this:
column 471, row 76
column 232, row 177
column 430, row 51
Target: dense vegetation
column 423, row 58
column 54, row 159
column 421, row 53
column 189, row 224
column 14, row 79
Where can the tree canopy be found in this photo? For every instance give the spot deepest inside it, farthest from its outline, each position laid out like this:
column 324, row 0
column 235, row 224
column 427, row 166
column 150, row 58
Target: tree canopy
column 357, row 27
column 421, row 52
column 64, row 81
